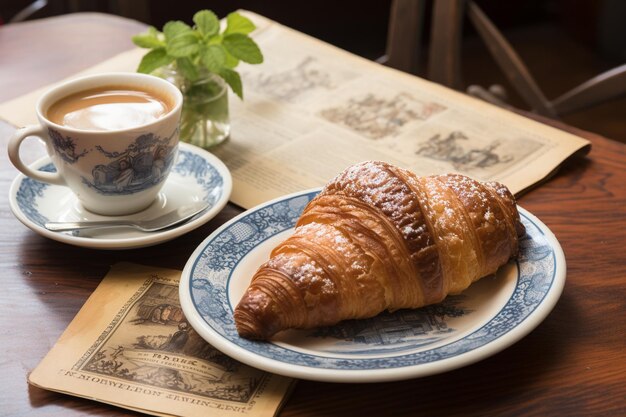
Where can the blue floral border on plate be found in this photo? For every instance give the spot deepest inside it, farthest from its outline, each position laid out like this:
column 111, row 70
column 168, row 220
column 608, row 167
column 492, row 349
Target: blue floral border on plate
column 188, row 164
column 211, row 273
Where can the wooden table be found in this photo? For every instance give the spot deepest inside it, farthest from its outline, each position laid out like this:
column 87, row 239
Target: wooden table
column 573, row 364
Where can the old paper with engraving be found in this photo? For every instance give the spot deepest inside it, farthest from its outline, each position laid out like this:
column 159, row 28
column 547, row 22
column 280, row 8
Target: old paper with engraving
column 312, row 109
column 131, row 346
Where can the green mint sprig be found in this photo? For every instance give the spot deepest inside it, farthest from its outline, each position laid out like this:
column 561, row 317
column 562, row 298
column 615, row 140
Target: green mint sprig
column 202, row 47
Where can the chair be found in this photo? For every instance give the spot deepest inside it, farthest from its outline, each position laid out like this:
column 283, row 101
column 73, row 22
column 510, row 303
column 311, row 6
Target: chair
column 28, row 11
column 444, row 66
column 134, row 9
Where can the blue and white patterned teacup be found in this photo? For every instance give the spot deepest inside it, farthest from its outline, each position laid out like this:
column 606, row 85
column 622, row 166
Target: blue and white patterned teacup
column 112, row 172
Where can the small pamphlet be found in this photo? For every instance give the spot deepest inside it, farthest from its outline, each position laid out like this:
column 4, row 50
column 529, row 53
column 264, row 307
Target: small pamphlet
column 131, row 346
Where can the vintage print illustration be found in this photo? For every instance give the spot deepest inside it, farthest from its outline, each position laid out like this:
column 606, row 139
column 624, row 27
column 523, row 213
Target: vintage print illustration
column 291, row 84
column 65, row 147
column 377, row 117
column 469, row 153
column 387, row 331
column 150, row 343
column 142, row 165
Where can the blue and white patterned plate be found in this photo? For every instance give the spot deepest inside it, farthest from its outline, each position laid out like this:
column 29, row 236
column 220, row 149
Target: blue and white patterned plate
column 197, row 176
column 488, row 317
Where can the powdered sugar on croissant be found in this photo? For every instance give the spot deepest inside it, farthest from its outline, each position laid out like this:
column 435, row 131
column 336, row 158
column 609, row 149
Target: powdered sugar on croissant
column 380, row 238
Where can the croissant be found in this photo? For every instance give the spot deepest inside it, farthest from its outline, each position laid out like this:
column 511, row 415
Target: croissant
column 378, row 238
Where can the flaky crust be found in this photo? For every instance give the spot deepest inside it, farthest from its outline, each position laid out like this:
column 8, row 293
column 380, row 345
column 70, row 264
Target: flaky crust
column 380, row 238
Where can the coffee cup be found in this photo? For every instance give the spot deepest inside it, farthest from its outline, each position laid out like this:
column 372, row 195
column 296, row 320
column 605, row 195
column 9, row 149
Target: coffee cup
column 113, row 139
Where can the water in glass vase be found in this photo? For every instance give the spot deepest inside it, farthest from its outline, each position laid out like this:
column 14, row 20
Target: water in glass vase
column 204, row 120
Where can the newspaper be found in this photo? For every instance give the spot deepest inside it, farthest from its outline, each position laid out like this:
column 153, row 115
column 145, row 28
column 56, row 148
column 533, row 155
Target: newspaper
column 131, row 346
column 311, row 109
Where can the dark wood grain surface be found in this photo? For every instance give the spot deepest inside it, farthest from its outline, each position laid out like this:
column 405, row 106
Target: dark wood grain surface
column 572, row 364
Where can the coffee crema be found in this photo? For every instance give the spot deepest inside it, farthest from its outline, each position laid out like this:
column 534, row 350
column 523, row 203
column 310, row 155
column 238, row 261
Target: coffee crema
column 108, row 108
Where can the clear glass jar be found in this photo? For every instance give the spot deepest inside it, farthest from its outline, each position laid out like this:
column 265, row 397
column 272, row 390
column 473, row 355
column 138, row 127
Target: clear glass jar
column 204, row 120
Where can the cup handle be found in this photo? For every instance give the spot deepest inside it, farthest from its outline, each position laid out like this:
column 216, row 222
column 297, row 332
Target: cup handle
column 14, row 155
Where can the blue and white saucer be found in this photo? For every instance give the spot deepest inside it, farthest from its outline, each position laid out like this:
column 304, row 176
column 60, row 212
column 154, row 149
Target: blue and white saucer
column 196, row 176
column 491, row 315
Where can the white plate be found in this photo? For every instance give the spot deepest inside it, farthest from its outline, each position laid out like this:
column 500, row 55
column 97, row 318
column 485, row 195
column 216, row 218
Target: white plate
column 197, row 176
column 488, row 317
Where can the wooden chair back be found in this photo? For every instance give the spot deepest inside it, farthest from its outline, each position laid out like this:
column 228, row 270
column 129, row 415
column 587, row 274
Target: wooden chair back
column 404, row 51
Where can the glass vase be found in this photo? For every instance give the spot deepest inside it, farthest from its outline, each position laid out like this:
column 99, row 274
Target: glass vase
column 204, row 120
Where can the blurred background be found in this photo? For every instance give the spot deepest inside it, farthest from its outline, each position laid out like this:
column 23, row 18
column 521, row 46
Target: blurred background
column 562, row 42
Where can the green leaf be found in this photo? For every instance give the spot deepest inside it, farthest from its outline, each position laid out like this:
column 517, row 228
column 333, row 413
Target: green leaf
column 149, row 39
column 243, row 47
column 214, row 40
column 175, row 28
column 233, row 79
column 213, row 57
column 183, row 45
column 153, row 60
column 187, row 68
column 231, row 62
column 206, row 22
column 236, row 23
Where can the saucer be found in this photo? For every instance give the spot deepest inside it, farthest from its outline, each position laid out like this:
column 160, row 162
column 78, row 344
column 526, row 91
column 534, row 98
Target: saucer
column 196, row 176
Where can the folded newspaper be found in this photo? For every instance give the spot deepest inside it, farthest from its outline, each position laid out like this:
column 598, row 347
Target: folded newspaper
column 131, row 346
column 312, row 109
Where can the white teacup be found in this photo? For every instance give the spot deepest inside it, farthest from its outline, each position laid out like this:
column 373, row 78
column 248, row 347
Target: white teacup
column 112, row 172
